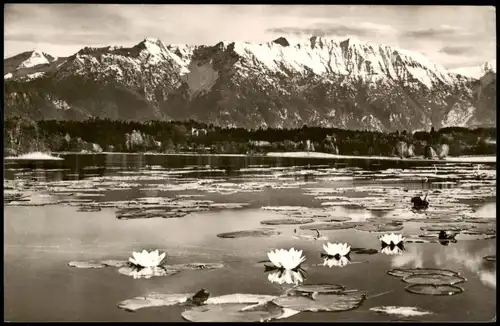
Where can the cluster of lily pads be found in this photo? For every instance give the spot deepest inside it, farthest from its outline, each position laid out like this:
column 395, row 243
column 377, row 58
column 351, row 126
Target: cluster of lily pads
column 286, row 268
column 145, row 265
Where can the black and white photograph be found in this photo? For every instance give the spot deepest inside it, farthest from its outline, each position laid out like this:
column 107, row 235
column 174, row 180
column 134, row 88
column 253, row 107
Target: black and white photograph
column 249, row 163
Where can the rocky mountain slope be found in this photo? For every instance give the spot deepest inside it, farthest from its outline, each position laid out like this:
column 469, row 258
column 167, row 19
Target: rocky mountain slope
column 318, row 82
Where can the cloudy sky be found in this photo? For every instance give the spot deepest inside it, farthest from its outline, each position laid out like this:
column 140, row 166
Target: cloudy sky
column 454, row 36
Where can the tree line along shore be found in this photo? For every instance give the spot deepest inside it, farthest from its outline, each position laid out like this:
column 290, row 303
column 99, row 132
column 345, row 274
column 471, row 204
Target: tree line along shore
column 98, row 135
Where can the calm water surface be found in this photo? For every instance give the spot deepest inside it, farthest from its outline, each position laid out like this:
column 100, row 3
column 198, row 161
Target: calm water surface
column 39, row 241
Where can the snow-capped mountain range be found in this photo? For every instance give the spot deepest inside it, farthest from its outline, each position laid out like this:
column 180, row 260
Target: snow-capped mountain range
column 318, row 82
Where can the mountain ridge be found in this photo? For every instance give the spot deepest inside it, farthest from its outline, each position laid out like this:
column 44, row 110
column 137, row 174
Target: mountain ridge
column 320, row 81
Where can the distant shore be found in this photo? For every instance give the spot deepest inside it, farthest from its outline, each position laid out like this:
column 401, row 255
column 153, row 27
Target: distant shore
column 461, row 159
column 464, row 159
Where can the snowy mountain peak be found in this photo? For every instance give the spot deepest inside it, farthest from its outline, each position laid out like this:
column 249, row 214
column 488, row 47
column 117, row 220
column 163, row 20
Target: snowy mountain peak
column 285, row 82
column 477, row 71
column 152, row 40
column 154, row 45
column 36, row 58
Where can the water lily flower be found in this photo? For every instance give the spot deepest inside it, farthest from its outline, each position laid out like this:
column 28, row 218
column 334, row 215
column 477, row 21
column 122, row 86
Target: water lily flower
column 337, row 262
column 337, row 250
column 392, row 239
column 392, row 250
column 286, row 259
column 147, row 259
column 285, row 276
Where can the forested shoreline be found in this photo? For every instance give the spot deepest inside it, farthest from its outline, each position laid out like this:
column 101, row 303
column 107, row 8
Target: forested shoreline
column 98, row 135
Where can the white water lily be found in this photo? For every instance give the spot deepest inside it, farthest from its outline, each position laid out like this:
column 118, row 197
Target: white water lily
column 341, row 262
column 395, row 250
column 287, row 259
column 147, row 259
column 394, row 239
column 337, row 249
column 285, row 276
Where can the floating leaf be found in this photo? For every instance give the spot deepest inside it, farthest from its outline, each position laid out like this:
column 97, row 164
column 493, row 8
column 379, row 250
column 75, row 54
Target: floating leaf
column 436, row 220
column 147, row 272
column 287, row 221
column 86, row 264
column 336, row 219
column 319, row 288
column 193, row 266
column 233, row 312
column 401, row 311
column 369, row 227
column 479, row 220
column 249, row 233
column 154, row 300
column 444, row 227
column 321, row 301
column 417, row 240
column 403, row 272
column 481, row 231
column 326, row 226
column 88, row 209
column 353, row 206
column 431, row 236
column 430, row 289
column 364, row 251
column 240, row 298
column 115, row 263
column 434, row 279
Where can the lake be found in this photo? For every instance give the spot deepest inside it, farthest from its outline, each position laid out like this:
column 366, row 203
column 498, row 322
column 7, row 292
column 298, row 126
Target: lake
column 91, row 208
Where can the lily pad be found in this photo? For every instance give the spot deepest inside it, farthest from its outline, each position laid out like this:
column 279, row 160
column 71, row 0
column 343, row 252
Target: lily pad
column 430, row 289
column 248, row 233
column 434, row 279
column 240, row 298
column 147, row 272
column 403, row 272
column 417, row 240
column 154, row 300
column 437, row 220
column 193, row 266
column 287, row 221
column 401, row 311
column 447, row 227
column 326, row 226
column 88, row 209
column 160, row 300
column 319, row 288
column 353, row 206
column 389, row 227
column 115, row 263
column 364, row 251
column 321, row 302
column 490, row 258
column 479, row 220
column 481, row 231
column 86, row 264
column 233, row 312
column 336, row 219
